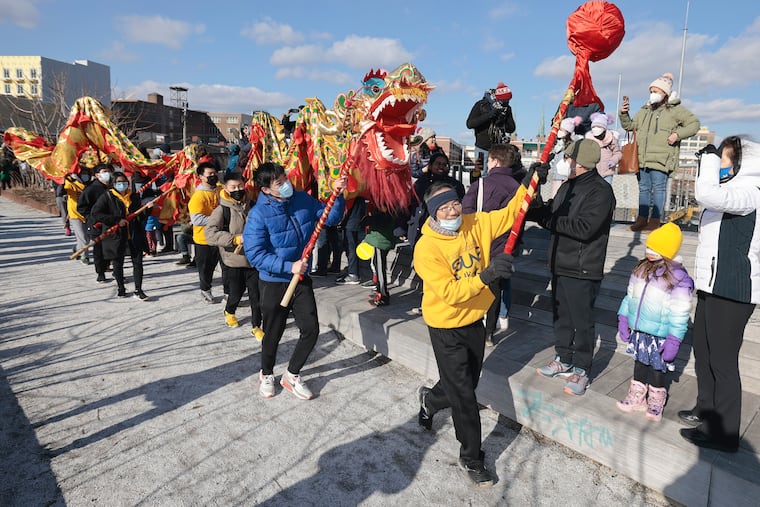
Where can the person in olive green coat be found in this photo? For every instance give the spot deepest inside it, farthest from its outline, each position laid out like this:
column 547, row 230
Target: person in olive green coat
column 660, row 126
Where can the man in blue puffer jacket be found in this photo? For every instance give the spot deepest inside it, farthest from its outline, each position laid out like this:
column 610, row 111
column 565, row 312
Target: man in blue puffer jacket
column 277, row 230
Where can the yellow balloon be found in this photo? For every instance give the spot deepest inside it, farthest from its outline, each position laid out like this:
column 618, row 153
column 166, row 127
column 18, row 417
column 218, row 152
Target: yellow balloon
column 364, row 251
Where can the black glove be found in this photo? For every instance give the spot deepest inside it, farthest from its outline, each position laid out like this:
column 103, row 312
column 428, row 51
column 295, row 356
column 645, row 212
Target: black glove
column 500, row 267
column 709, row 149
column 543, row 172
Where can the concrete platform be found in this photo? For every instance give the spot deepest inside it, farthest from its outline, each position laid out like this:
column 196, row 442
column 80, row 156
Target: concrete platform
column 653, row 454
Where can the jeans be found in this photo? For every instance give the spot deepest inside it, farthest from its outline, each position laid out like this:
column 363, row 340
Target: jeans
column 183, row 243
column 652, row 187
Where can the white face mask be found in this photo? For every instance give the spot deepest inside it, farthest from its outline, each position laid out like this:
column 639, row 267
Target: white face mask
column 597, row 131
column 452, row 224
column 561, row 134
column 655, row 98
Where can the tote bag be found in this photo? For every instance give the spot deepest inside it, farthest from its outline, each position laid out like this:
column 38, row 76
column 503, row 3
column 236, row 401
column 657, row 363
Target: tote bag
column 629, row 163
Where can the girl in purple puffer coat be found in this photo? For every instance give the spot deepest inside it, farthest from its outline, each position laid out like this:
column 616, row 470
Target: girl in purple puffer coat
column 652, row 319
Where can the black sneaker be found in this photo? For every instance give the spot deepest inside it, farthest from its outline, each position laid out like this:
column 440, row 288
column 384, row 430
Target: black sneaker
column 141, row 295
column 700, row 439
column 122, row 293
column 477, row 472
column 190, row 264
column 425, row 417
column 183, row 261
column 347, row 280
column 103, row 279
column 318, row 273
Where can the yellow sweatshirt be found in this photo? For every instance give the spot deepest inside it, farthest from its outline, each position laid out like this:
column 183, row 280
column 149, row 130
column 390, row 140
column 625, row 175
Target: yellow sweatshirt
column 200, row 206
column 453, row 293
column 73, row 189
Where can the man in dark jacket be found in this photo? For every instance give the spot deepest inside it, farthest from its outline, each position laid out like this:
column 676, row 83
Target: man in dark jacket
column 579, row 220
column 491, row 119
column 90, row 195
column 505, row 172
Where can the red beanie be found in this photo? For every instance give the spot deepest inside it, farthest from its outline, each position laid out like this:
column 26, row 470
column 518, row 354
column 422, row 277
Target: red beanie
column 502, row 92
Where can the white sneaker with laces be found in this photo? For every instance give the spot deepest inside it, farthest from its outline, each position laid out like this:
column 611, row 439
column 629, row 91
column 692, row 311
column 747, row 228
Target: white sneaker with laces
column 295, row 385
column 266, row 385
column 503, row 323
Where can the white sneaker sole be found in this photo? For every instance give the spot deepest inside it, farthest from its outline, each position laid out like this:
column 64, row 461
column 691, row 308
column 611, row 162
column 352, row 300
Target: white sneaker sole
column 289, row 387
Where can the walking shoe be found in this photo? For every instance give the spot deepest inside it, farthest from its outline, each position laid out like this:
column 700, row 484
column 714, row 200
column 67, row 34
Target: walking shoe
column 503, row 323
column 656, row 403
column 333, row 268
column 257, row 333
column 122, row 293
column 266, row 385
column 183, row 261
column 84, row 260
column 378, row 299
column 636, row 399
column 425, row 417
column 477, row 472
column 139, row 294
column 347, row 280
column 230, row 319
column 489, row 340
column 207, row 296
column 689, row 417
column 556, row 368
column 295, row 385
column 190, row 264
column 369, row 284
column 102, row 279
column 577, row 383
column 318, row 273
column 67, row 231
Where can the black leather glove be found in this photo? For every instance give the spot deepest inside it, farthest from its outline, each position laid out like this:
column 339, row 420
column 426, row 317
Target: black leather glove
column 500, row 267
column 709, row 149
column 542, row 169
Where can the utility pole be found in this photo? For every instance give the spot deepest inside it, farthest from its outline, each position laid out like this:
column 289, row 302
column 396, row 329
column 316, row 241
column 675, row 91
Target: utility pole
column 179, row 100
column 620, row 80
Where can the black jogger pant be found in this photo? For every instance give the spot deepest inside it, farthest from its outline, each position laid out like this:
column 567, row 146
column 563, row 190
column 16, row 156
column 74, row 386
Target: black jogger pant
column 304, row 308
column 240, row 279
column 574, row 324
column 206, row 258
column 459, row 354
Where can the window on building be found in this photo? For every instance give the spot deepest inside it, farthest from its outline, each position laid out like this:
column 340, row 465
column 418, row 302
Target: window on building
column 232, row 119
column 7, row 89
column 229, row 130
column 20, row 89
column 33, row 73
column 19, row 73
column 7, row 73
column 34, row 90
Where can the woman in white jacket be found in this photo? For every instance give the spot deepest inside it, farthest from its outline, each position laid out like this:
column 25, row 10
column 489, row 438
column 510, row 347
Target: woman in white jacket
column 728, row 287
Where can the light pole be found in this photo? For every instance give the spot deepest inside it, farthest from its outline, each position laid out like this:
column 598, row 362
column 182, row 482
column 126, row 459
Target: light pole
column 179, row 100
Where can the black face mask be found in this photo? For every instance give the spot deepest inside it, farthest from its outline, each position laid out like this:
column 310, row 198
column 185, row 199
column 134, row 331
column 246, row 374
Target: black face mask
column 237, row 194
column 212, row 180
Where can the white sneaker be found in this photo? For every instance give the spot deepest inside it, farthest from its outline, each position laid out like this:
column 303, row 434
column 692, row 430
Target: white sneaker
column 295, row 385
column 503, row 322
column 207, row 296
column 266, row 385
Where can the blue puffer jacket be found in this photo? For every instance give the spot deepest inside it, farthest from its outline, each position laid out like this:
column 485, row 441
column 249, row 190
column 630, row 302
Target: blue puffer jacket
column 653, row 308
column 276, row 232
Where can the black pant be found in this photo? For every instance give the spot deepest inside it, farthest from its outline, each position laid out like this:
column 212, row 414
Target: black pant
column 206, row 258
column 137, row 267
column 97, row 257
column 239, row 280
column 380, row 271
column 574, row 327
column 459, row 355
column 718, row 334
column 647, row 375
column 304, row 308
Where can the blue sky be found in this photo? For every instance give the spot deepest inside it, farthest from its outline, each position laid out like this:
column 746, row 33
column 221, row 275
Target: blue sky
column 240, row 56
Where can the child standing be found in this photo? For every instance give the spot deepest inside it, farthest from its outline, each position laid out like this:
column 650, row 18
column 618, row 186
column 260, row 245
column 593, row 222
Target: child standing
column 652, row 318
column 151, row 226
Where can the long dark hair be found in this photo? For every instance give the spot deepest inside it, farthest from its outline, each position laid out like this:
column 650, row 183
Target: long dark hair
column 647, row 270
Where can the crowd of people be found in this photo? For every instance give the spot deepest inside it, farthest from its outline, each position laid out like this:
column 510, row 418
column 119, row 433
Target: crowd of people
column 458, row 237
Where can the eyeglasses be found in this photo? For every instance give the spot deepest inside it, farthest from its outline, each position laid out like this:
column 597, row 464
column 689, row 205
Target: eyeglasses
column 440, row 164
column 453, row 207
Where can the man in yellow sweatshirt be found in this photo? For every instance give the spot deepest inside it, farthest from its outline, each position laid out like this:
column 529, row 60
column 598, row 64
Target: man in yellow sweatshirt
column 452, row 257
column 201, row 204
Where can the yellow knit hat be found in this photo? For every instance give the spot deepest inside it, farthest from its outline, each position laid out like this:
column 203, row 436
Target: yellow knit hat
column 665, row 240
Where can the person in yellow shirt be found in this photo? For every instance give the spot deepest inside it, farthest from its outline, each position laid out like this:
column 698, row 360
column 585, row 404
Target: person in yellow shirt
column 203, row 201
column 73, row 185
column 453, row 259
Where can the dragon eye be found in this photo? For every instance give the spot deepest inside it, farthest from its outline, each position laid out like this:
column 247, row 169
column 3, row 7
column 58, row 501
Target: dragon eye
column 375, row 89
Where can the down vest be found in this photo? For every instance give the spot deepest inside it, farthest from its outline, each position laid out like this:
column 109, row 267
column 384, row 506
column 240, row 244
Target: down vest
column 276, row 232
column 727, row 261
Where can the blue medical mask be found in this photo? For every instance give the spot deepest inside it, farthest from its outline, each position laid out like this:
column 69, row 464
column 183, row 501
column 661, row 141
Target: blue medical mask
column 105, row 176
column 285, row 190
column 452, row 224
column 725, row 173
column 121, row 186
column 84, row 177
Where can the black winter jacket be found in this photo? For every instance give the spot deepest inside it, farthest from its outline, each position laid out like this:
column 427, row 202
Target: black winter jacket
column 482, row 115
column 109, row 210
column 87, row 200
column 579, row 219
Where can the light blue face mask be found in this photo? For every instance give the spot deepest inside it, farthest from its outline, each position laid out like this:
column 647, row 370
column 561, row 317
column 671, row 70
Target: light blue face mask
column 452, row 224
column 121, row 186
column 725, row 173
column 285, row 190
column 105, row 176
